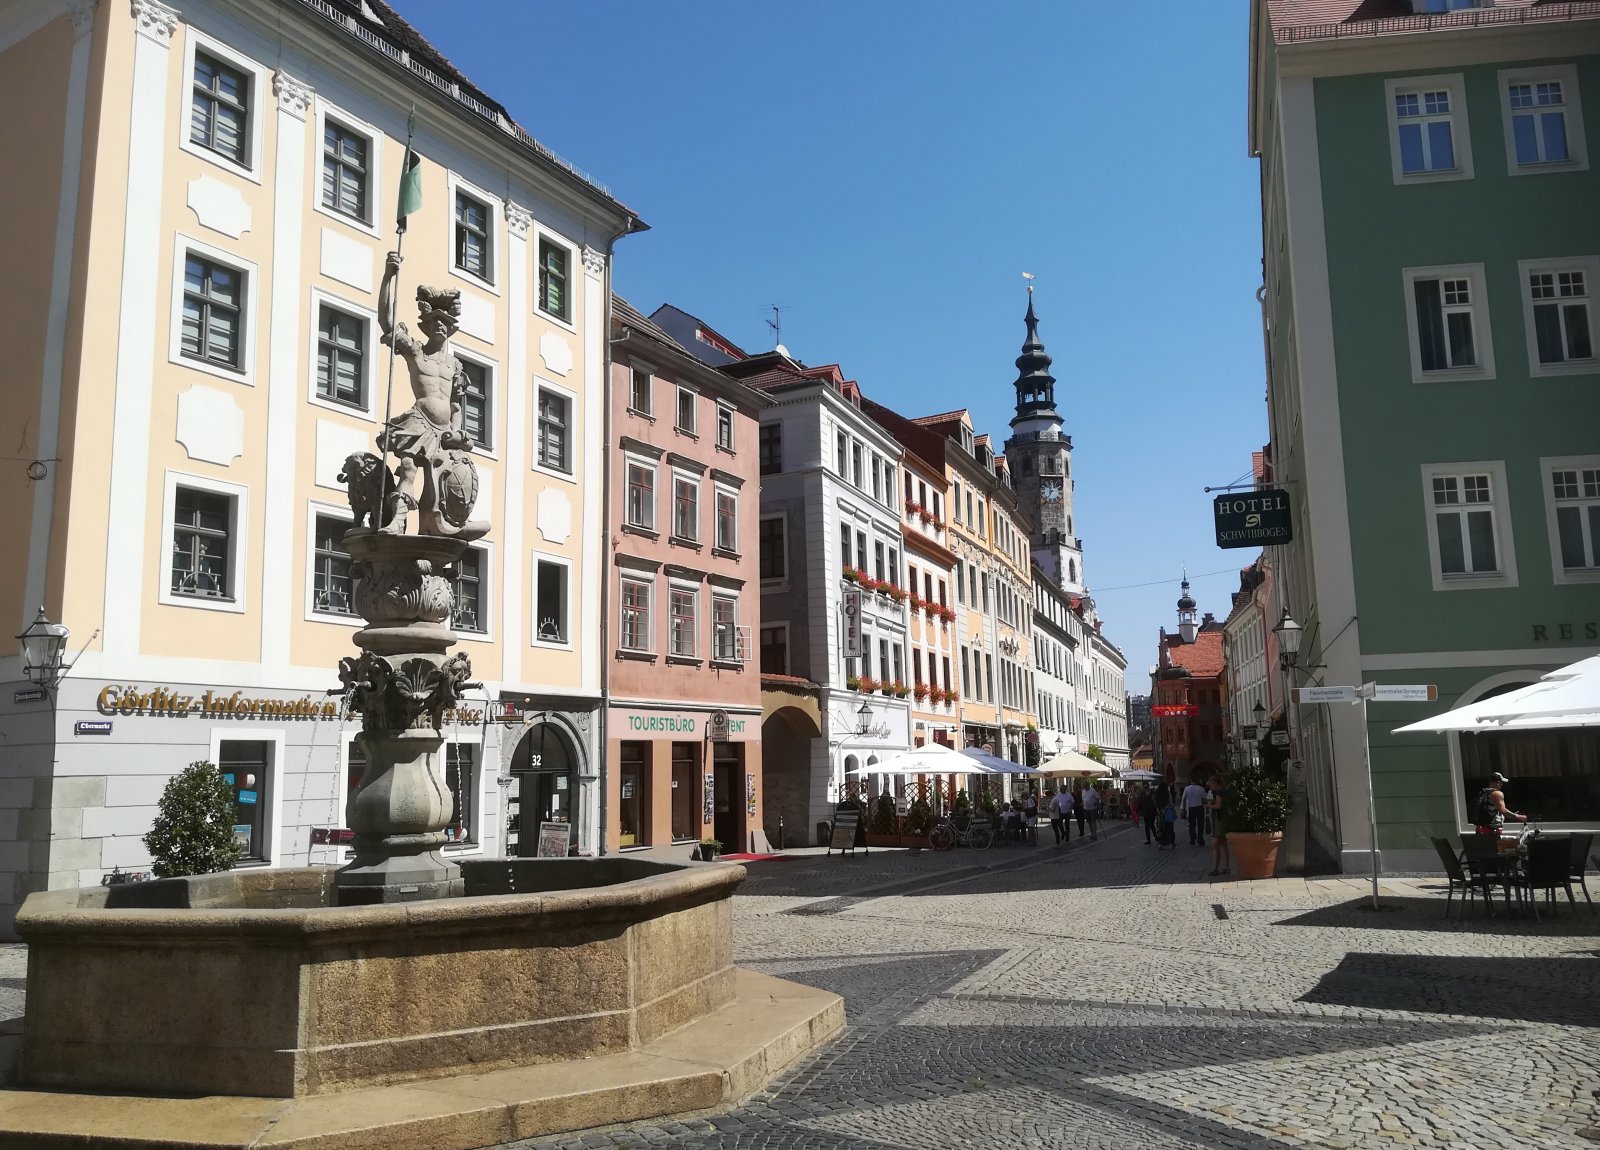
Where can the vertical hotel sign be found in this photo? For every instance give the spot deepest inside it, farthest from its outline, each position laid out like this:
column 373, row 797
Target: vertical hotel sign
column 852, row 625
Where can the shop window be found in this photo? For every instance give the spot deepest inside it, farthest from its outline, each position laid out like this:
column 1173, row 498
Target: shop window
column 633, row 804
column 247, row 767
column 685, row 774
column 461, row 776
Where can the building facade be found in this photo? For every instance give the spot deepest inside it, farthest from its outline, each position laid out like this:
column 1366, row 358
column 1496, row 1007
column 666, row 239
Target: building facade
column 1109, row 723
column 201, row 332
column 1431, row 253
column 1057, row 636
column 1250, row 648
column 1189, row 698
column 683, row 719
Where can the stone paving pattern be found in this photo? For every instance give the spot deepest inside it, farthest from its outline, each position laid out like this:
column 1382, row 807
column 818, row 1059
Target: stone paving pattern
column 1096, row 997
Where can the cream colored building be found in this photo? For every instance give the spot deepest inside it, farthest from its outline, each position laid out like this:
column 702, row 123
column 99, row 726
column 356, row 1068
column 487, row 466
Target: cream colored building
column 195, row 205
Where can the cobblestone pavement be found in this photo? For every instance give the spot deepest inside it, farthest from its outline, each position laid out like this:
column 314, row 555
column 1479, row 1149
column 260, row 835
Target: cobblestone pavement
column 1109, row 996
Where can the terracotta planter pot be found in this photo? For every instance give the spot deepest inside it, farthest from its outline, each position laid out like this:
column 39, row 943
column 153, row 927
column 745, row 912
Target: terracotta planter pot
column 1255, row 855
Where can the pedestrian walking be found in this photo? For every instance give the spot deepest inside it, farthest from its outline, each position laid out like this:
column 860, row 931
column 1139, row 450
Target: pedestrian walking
column 1078, row 810
column 1091, row 808
column 1148, row 813
column 1061, row 816
column 1194, row 809
column 1219, row 830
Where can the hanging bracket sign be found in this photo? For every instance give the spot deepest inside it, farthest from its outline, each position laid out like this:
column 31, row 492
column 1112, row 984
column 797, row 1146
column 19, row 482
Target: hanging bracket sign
column 852, row 625
column 1252, row 518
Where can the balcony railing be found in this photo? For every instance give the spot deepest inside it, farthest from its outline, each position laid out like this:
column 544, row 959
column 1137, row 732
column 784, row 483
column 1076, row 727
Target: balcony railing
column 1440, row 21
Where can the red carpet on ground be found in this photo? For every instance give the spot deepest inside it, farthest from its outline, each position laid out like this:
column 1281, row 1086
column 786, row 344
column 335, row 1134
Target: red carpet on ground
column 742, row 857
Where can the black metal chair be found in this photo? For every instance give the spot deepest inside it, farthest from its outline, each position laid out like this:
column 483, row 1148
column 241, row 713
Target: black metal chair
column 1580, row 861
column 1457, row 876
column 1549, row 865
column 1487, row 868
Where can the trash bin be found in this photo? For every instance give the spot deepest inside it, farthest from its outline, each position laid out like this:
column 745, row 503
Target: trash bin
column 824, row 833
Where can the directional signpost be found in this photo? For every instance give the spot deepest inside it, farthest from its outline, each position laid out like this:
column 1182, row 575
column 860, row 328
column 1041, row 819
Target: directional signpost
column 1382, row 693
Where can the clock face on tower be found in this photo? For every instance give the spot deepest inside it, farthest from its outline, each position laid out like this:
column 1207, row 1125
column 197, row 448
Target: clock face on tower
column 1050, row 492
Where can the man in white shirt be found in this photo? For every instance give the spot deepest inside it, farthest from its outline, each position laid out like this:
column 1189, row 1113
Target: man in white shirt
column 1194, row 809
column 1091, row 807
column 1061, row 816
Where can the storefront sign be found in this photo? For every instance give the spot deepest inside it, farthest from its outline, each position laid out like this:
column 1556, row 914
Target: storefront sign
column 1252, row 518
column 852, row 625
column 1175, row 710
column 168, row 703
column 646, row 723
column 553, row 840
column 717, row 727
column 1565, row 632
column 29, row 695
column 91, row 727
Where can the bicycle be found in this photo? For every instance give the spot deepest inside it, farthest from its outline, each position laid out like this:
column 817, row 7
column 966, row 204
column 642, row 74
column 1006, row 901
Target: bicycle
column 966, row 831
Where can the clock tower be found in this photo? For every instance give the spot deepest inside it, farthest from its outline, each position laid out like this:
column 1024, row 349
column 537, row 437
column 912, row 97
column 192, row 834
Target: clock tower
column 1039, row 459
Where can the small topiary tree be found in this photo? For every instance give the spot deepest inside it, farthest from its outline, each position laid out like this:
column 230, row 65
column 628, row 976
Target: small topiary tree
column 193, row 829
column 1096, row 754
column 883, row 815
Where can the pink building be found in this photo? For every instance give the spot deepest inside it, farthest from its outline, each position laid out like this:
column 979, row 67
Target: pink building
column 683, row 735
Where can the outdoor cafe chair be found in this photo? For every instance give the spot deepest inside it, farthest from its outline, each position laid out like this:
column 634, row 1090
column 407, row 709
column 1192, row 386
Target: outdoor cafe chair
column 1580, row 860
column 1549, row 866
column 1487, row 867
column 1457, row 876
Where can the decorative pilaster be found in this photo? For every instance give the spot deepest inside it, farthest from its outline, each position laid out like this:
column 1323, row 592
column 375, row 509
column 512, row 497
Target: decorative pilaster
column 515, row 642
column 518, row 220
column 294, row 96
column 154, row 19
column 594, row 262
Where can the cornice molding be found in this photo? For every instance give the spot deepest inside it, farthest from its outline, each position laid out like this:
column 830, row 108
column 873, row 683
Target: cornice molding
column 294, row 96
column 155, row 20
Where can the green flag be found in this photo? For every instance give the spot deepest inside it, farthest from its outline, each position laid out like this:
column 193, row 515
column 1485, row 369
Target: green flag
column 410, row 180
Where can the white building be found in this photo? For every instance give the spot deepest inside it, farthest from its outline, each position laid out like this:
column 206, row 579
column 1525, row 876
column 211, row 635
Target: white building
column 1109, row 721
column 1252, row 679
column 1057, row 638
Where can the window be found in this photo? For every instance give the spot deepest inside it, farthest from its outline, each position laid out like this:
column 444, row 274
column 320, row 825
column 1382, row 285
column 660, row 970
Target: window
column 685, row 509
column 685, row 776
column 878, row 571
column 213, row 312
column 841, row 455
column 1543, row 120
column 1448, row 324
column 725, row 629
column 966, row 685
column 641, row 509
column 202, row 536
column 552, row 602
column 1572, row 490
column 473, row 254
column 724, row 427
column 1443, row 5
column 635, row 629
column 1428, row 134
column 685, row 421
column 477, row 408
column 554, row 412
column 246, row 766
column 341, row 357
column 331, row 585
column 682, row 609
column 727, row 521
column 1468, row 525
column 877, row 480
column 861, row 550
column 639, row 395
column 844, row 545
column 553, row 293
column 219, row 109
column 470, row 611
column 345, row 184
column 461, row 776
column 633, row 777
column 856, row 475
column 775, row 650
column 771, row 448
column 1557, row 316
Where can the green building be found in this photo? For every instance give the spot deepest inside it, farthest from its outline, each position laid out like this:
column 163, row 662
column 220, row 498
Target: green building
column 1431, row 242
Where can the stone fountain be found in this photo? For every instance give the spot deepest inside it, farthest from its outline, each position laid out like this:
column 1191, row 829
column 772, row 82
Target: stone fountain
column 402, row 1000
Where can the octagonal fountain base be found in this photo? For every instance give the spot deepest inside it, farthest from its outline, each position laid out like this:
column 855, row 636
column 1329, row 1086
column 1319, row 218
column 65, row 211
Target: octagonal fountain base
column 551, row 995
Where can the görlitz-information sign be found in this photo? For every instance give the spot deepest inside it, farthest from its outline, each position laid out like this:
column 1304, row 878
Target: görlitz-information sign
column 1253, row 518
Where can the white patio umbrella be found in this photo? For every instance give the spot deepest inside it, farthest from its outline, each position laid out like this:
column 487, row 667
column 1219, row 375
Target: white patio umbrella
column 1569, row 697
column 1141, row 777
column 1074, row 763
column 932, row 759
column 994, row 764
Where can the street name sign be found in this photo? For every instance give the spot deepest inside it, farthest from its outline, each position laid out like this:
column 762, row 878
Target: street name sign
column 1326, row 694
column 1401, row 692
column 1252, row 518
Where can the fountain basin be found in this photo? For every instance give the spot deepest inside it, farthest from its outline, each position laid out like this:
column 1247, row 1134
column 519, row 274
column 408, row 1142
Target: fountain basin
column 251, row 982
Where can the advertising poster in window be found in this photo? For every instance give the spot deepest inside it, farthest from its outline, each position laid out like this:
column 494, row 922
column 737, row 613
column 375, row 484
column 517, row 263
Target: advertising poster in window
column 708, row 809
column 750, row 794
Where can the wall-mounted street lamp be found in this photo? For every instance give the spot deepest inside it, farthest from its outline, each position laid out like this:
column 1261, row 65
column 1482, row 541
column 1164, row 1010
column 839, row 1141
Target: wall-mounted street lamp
column 864, row 718
column 43, row 644
column 1289, row 634
column 1261, row 715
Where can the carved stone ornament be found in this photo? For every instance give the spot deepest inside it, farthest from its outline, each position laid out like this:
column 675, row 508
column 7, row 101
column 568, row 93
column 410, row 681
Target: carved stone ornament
column 294, row 96
column 518, row 220
column 401, row 591
column 155, row 20
column 82, row 16
column 594, row 261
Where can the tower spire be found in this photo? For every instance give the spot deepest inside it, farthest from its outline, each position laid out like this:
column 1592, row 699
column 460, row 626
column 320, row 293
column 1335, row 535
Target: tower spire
column 1036, row 387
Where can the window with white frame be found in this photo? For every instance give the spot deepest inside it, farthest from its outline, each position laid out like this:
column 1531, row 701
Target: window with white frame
column 1448, row 323
column 683, row 605
column 724, row 427
column 841, row 455
column 1556, row 305
column 219, row 108
column 552, row 601
column 857, row 474
column 641, row 496
column 473, row 252
column 1428, row 131
column 1466, row 507
column 1543, row 119
column 346, row 175
column 1572, row 494
column 727, row 521
column 634, row 632
column 341, row 357
column 204, row 524
column 685, row 420
column 555, row 411
column 725, row 628
column 477, row 402
column 331, row 583
column 555, row 261
column 640, row 398
column 470, row 612
column 212, row 326
column 685, row 508
column 775, row 549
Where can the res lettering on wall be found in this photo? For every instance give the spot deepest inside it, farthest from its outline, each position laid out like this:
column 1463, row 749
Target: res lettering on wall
column 1565, row 632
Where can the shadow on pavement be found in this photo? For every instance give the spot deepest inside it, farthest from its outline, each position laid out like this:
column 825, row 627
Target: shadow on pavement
column 1414, row 913
column 1563, row 991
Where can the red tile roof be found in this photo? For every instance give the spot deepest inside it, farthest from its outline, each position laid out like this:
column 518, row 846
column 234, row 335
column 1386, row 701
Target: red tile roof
column 942, row 417
column 1203, row 659
column 788, row 681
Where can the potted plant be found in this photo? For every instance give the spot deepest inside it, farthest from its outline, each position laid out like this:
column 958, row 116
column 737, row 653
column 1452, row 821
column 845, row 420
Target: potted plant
column 1255, row 809
column 709, row 849
column 867, row 684
column 853, row 682
column 884, row 829
column 898, row 689
column 919, row 821
column 920, row 691
column 851, row 575
column 193, row 828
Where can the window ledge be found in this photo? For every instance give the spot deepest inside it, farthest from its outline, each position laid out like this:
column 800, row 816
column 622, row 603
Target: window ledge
column 639, row 656
column 645, row 415
column 691, row 544
column 725, row 450
column 724, row 553
column 646, row 532
column 728, row 664
column 634, row 849
column 686, row 432
column 684, row 661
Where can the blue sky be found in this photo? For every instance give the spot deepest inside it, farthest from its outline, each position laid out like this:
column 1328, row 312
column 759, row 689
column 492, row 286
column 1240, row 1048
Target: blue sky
column 885, row 171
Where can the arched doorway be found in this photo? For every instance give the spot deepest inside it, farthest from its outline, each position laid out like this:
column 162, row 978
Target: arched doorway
column 545, row 767
column 786, row 739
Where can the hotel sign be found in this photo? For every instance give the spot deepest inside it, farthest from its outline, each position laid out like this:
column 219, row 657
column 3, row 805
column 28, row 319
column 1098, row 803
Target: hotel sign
column 1252, row 518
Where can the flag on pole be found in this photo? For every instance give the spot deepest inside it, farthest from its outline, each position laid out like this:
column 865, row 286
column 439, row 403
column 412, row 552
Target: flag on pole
column 410, row 178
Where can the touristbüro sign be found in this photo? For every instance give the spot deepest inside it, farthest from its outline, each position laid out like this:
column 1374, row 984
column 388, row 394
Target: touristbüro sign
column 1253, row 518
